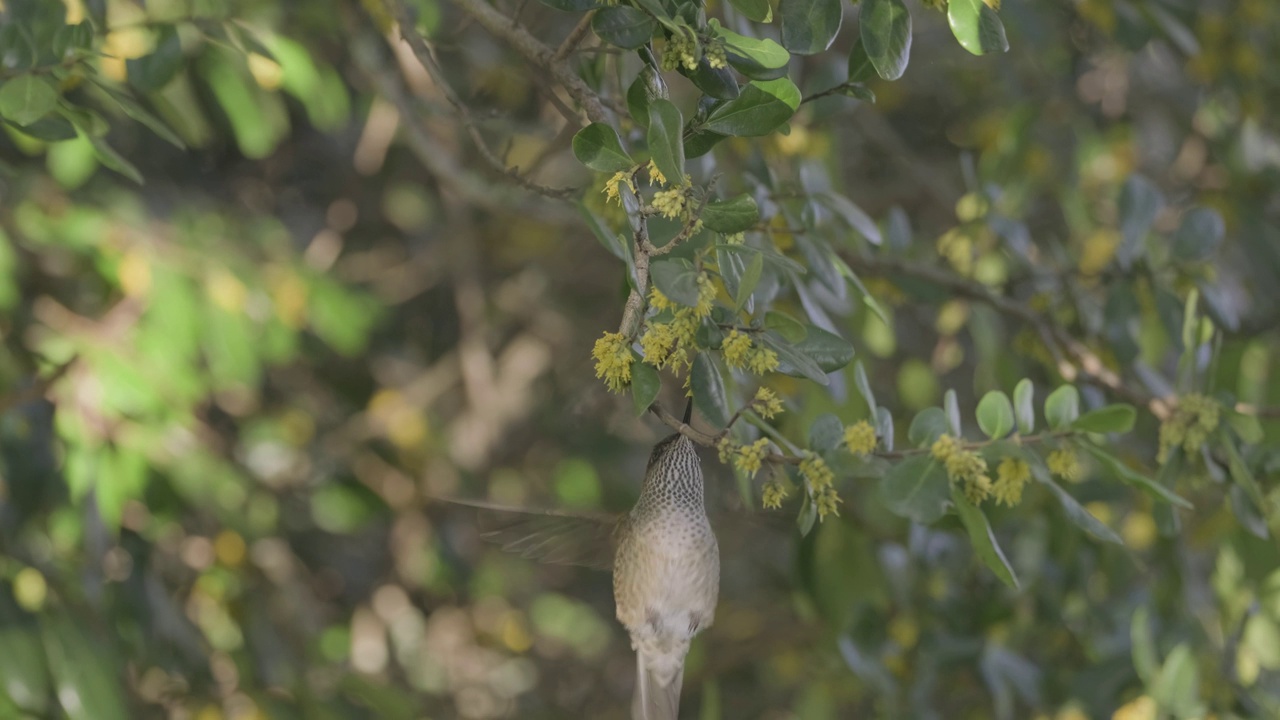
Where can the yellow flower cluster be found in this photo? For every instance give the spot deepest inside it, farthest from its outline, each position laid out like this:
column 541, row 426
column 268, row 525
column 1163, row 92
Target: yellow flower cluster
column 671, row 203
column 613, row 361
column 726, row 449
column 655, row 175
column 1189, row 426
column 766, row 403
column 612, row 185
column 736, row 347
column 748, row 457
column 762, row 360
column 1011, row 477
column 773, row 494
column 860, row 438
column 668, row 343
column 821, row 483
column 1065, row 464
column 957, row 248
column 681, row 50
column 715, row 54
column 964, row 467
column 735, row 239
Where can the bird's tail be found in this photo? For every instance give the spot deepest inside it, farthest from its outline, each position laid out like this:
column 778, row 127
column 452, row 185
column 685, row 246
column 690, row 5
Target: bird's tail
column 658, row 683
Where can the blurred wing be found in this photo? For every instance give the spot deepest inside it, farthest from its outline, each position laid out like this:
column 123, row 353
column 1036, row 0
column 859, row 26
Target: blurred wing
column 550, row 536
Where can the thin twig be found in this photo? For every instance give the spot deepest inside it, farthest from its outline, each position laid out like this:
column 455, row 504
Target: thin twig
column 575, row 36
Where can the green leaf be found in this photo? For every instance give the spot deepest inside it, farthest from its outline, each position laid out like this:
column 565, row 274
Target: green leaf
column 113, row 160
column 860, row 67
column 140, row 114
column 750, row 279
column 828, row 350
column 861, row 382
column 788, row 327
column 26, row 98
column 152, row 72
column 884, row 427
column 1112, row 418
column 1024, row 394
column 607, row 237
column 83, row 670
column 826, row 433
column 1242, row 475
column 24, row 678
column 983, row 538
column 735, row 215
column 807, row 517
column 763, row 107
column 666, row 144
column 708, row 391
column 927, row 426
column 995, row 414
column 1145, row 660
column 718, row 83
column 766, row 53
column 976, row 26
column 1131, row 477
column 1076, row 513
column 1177, row 687
column 598, row 147
column 647, row 87
column 792, row 362
column 757, row 10
column 677, row 279
column 886, row 35
column 809, row 26
column 574, row 6
column 917, row 488
column 951, row 406
column 1139, row 203
column 623, row 26
column 1199, row 235
column 854, row 216
column 645, row 384
column 1062, row 407
column 699, row 142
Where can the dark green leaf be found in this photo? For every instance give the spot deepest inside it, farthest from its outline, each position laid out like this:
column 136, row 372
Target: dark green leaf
column 886, row 35
column 884, row 427
column 758, row 10
column 809, row 26
column 607, row 237
column 1062, row 407
column 976, row 26
column 1131, row 477
column 647, row 87
column 82, row 670
column 598, row 147
column 763, row 106
column 1140, row 201
column 750, row 278
column 808, row 515
column 785, row 325
column 1242, row 475
column 1145, row 659
column 765, row 53
column 666, row 143
column 718, row 83
column 24, row 678
column 109, row 158
column 995, row 414
column 69, row 38
column 983, row 538
column 792, row 362
column 677, row 279
column 1076, row 513
column 731, row 266
column 860, row 67
column 927, row 426
column 50, row 128
column 854, row 216
column 26, row 98
column 1024, row 394
column 734, row 215
column 574, row 6
column 708, row 391
column 152, row 72
column 828, row 350
column 826, row 433
column 1199, row 235
column 1112, row 418
column 700, row 142
column 917, row 488
column 131, row 108
column 623, row 26
column 861, row 382
column 951, row 406
column 645, row 384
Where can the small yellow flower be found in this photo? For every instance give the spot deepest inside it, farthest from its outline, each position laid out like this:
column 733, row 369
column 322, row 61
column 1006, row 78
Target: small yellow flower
column 827, row 500
column 670, row 203
column 1011, row 477
column 735, row 239
column 750, row 456
column 706, row 296
column 762, row 360
column 860, row 438
column 613, row 361
column 611, row 186
column 815, row 471
column 657, row 344
column 726, row 449
column 660, row 302
column 735, row 348
column 1192, row 421
column 773, row 494
column 766, row 403
column 1065, row 464
column 655, row 175
column 965, row 468
column 943, row 447
column 977, row 488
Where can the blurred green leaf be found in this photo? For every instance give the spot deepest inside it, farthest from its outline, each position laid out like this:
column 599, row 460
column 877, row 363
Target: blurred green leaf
column 951, row 406
column 1177, row 687
column 1076, row 513
column 26, row 98
column 598, row 147
column 757, row 10
column 976, row 26
column 886, row 35
column 1112, row 418
column 826, row 433
column 995, row 414
column 809, row 26
column 927, row 426
column 1131, row 477
column 750, row 278
column 917, row 488
column 1199, row 235
column 154, row 70
column 1024, row 406
column 1145, row 660
column 863, row 385
column 1062, row 407
column 84, row 673
column 983, row 538
column 1139, row 203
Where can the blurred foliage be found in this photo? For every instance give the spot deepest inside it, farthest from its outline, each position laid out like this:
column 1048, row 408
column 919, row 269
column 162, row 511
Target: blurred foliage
column 984, row 297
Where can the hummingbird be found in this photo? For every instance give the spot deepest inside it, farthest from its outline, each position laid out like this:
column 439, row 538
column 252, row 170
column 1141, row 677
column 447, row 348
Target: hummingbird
column 665, row 563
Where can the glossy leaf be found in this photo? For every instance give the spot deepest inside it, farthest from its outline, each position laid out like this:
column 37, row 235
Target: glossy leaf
column 718, row 83
column 154, row 70
column 1024, row 410
column 788, row 327
column 1076, row 513
column 677, row 279
column 645, row 384
column 757, row 10
column 861, row 68
column 1062, row 407
column 792, row 362
column 708, row 391
column 826, row 433
column 917, row 488
column 623, row 26
column 995, row 414
column 734, row 215
column 666, row 144
column 809, row 26
column 951, row 406
column 828, row 350
column 763, row 106
column 983, row 539
column 927, row 426
column 1112, row 418
column 1131, row 477
column 884, row 427
column 764, row 52
column 26, row 98
column 976, row 26
column 861, row 382
column 886, row 35
column 750, row 279
column 647, row 87
column 598, row 147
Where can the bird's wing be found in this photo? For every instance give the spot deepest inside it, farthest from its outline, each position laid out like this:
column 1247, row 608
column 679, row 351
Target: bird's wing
column 551, row 536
